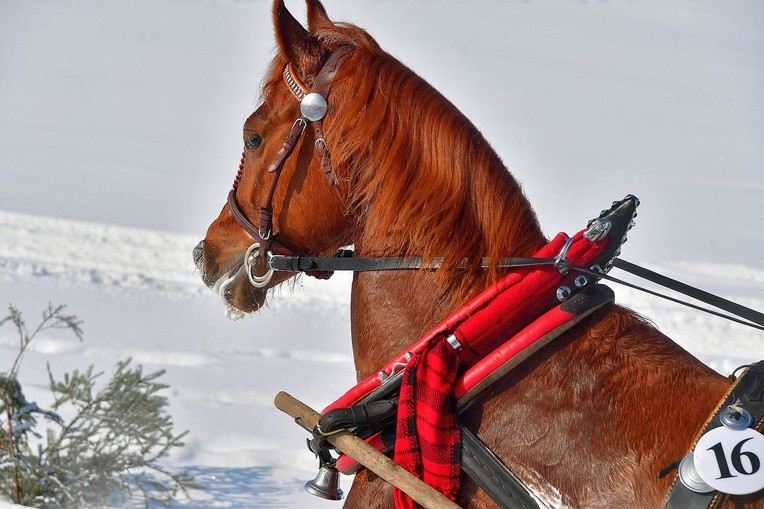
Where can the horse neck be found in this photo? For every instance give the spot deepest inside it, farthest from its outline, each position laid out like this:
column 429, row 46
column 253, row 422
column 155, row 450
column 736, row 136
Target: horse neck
column 463, row 204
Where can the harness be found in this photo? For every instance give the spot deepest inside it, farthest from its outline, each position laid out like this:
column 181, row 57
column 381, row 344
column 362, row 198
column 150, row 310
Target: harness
column 542, row 298
column 493, row 333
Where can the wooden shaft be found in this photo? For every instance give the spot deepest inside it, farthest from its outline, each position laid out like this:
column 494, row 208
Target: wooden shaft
column 366, row 455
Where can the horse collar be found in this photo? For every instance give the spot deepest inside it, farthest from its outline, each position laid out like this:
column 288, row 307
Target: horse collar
column 739, row 419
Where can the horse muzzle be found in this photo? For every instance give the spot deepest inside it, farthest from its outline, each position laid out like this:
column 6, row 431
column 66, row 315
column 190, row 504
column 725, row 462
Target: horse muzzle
column 249, row 298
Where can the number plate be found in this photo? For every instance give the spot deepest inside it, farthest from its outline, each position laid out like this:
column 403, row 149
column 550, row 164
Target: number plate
column 730, row 460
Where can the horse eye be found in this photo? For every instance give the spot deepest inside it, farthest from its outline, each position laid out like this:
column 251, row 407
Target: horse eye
column 253, row 141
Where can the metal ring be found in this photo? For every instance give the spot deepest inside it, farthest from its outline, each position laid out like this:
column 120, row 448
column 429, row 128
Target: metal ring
column 562, row 256
column 250, row 257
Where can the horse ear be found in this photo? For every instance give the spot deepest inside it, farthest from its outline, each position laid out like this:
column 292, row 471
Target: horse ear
column 294, row 41
column 317, row 16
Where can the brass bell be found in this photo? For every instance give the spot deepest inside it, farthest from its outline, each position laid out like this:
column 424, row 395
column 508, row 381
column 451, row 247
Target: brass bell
column 326, row 483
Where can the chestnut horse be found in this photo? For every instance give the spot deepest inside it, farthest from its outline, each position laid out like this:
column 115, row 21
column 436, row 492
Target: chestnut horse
column 588, row 421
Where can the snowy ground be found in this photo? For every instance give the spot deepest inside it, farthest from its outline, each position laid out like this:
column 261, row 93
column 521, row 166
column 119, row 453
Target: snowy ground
column 120, row 135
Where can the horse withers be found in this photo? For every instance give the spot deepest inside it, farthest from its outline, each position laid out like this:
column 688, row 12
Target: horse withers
column 387, row 164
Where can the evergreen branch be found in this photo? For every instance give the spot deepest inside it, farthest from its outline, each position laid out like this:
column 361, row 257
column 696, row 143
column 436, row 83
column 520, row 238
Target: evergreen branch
column 111, row 445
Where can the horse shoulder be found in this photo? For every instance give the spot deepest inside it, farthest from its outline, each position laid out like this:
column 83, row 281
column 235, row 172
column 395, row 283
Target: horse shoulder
column 598, row 413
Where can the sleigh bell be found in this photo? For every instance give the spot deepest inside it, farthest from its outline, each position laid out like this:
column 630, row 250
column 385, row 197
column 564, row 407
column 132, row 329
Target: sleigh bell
column 326, row 483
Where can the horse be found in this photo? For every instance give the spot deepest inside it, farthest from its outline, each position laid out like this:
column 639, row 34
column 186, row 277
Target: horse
column 589, row 420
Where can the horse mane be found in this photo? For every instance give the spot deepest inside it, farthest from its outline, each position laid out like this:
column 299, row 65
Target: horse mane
column 419, row 173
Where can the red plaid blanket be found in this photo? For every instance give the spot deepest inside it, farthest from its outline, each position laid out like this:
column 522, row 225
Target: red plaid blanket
column 428, row 436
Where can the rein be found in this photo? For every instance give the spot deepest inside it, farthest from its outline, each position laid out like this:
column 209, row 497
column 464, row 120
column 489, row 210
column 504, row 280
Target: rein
column 344, row 261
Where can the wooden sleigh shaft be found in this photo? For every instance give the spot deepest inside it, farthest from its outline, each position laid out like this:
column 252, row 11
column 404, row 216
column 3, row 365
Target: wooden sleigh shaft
column 366, row 455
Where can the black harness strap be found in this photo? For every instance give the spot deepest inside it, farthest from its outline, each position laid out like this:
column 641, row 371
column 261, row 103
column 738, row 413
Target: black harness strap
column 493, row 476
column 695, row 293
column 344, row 261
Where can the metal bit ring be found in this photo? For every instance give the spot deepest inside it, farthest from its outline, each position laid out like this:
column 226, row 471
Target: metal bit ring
column 250, row 260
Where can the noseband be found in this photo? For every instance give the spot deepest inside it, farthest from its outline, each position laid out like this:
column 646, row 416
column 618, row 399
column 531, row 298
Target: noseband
column 313, row 107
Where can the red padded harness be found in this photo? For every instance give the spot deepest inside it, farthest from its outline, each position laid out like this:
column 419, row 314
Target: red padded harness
column 449, row 364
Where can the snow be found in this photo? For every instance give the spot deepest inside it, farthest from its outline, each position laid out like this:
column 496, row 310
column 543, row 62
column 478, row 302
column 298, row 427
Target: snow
column 120, row 135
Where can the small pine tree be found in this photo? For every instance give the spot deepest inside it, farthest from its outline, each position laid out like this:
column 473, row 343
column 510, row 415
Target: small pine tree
column 109, row 448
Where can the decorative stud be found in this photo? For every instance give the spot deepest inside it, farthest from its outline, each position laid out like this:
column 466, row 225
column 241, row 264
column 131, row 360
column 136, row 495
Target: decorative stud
column 736, row 418
column 313, row 106
column 689, row 476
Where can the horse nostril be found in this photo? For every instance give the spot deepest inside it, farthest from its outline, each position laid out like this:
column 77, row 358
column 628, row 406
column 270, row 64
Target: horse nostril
column 199, row 253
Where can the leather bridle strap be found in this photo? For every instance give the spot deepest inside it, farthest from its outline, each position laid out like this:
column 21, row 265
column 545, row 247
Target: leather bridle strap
column 264, row 233
column 344, row 260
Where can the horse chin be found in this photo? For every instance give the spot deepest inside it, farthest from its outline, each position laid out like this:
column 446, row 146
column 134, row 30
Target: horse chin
column 238, row 296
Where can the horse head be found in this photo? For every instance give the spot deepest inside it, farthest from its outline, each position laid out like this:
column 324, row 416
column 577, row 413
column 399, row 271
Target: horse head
column 409, row 174
column 351, row 147
column 287, row 195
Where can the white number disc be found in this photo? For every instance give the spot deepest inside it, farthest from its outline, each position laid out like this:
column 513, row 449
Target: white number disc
column 731, row 461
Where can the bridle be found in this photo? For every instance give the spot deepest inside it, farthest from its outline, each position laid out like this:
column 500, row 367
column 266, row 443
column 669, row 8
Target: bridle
column 313, row 108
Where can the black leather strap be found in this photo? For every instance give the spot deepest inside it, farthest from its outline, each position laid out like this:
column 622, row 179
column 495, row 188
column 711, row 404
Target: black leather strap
column 488, row 472
column 690, row 291
column 347, row 262
column 372, row 417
